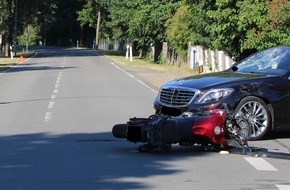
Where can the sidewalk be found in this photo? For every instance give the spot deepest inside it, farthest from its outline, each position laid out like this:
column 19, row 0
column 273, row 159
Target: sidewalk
column 154, row 77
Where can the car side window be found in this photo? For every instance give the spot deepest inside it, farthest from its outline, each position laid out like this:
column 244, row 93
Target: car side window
column 284, row 63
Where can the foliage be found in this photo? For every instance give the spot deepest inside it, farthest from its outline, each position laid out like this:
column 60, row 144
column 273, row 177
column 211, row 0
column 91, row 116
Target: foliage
column 142, row 22
column 178, row 30
column 5, row 12
column 238, row 27
column 6, row 20
column 267, row 23
column 241, row 27
column 200, row 21
column 88, row 15
column 30, row 35
column 224, row 28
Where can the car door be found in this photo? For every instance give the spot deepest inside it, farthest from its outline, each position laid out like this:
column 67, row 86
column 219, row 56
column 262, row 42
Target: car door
column 282, row 109
column 286, row 109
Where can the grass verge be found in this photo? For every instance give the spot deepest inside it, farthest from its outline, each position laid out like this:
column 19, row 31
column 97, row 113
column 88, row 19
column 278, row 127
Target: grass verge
column 120, row 58
column 6, row 63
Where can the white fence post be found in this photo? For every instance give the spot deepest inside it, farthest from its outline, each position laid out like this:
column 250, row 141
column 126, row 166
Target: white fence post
column 212, row 60
column 221, row 60
column 227, row 62
column 201, row 55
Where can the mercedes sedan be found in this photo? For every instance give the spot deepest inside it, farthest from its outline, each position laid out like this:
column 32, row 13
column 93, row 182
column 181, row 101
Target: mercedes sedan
column 258, row 88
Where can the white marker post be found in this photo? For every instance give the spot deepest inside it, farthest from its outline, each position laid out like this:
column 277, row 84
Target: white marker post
column 127, row 51
column 11, row 52
column 131, row 52
column 2, row 55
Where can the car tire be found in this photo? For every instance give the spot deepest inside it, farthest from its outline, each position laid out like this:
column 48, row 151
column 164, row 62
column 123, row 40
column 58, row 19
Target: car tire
column 257, row 114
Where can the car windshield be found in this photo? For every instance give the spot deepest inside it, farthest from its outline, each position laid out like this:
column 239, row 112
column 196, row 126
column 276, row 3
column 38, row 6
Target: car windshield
column 270, row 61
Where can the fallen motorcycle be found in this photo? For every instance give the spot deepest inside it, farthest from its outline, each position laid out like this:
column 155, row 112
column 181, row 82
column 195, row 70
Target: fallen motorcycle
column 217, row 128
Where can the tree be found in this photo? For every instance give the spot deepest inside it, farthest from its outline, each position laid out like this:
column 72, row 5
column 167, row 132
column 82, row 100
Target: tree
column 190, row 23
column 92, row 14
column 279, row 20
column 266, row 23
column 224, row 31
column 179, row 30
column 142, row 22
column 6, row 24
column 243, row 27
column 6, row 11
column 200, row 21
column 30, row 36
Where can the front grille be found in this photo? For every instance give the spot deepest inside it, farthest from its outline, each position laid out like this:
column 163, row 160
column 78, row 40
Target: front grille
column 176, row 97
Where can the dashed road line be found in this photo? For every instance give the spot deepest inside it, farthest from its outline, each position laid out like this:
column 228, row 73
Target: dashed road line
column 53, row 96
column 132, row 76
column 283, row 187
column 260, row 164
column 51, row 104
column 47, row 117
column 144, row 84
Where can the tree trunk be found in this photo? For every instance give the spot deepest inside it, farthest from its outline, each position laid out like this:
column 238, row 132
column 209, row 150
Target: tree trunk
column 98, row 29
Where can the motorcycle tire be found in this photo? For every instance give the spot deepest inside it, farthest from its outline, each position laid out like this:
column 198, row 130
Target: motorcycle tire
column 120, row 130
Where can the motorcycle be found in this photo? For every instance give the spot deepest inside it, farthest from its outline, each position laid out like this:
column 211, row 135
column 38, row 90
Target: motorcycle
column 218, row 128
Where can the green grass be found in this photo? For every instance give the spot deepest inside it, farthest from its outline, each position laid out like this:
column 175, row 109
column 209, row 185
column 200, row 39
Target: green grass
column 120, row 58
column 6, row 63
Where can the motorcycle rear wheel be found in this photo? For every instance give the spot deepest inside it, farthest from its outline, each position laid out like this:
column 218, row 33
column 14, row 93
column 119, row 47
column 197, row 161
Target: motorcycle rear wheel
column 120, row 130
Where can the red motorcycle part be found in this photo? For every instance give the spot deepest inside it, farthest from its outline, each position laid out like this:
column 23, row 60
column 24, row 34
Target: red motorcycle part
column 211, row 128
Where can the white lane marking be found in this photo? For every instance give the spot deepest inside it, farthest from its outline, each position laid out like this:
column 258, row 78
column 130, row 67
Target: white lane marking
column 50, row 105
column 143, row 84
column 283, row 187
column 130, row 75
column 47, row 117
column 260, row 164
column 53, row 96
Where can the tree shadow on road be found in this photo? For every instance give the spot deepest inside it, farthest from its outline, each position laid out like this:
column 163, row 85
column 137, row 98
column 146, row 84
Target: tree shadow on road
column 81, row 161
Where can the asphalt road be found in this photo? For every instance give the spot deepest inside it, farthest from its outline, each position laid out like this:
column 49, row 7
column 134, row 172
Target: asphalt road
column 57, row 110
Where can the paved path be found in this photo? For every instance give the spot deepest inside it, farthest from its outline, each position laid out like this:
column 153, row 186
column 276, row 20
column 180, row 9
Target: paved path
column 153, row 77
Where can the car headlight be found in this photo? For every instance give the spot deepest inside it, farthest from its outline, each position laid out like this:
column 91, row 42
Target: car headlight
column 214, row 95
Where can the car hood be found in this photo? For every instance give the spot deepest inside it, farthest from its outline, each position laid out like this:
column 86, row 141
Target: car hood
column 212, row 79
